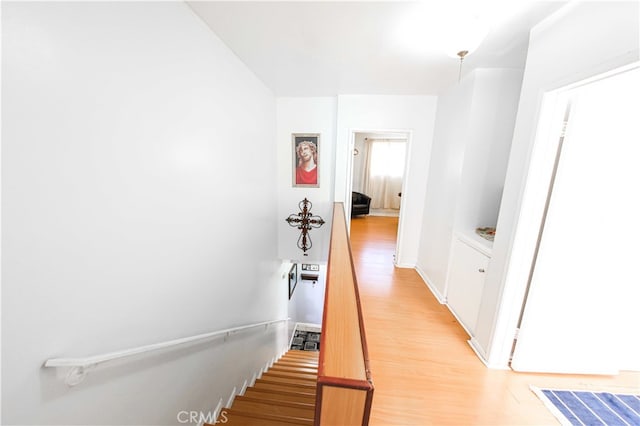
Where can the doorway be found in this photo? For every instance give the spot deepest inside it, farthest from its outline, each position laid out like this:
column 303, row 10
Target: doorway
column 579, row 315
column 379, row 173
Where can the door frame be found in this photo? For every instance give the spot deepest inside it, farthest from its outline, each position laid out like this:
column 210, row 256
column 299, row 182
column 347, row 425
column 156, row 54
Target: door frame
column 347, row 202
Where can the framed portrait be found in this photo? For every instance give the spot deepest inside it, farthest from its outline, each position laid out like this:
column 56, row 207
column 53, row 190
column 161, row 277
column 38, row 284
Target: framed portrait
column 293, row 278
column 305, row 160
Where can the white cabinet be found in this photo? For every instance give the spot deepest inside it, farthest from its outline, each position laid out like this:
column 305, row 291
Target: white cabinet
column 466, row 282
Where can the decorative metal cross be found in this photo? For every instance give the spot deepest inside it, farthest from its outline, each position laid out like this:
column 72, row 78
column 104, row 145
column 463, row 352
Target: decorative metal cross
column 304, row 221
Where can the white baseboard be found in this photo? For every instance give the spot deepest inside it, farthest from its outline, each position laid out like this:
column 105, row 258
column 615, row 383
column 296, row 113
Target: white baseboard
column 248, row 383
column 231, row 398
column 433, row 290
column 475, row 345
column 216, row 412
column 466, row 330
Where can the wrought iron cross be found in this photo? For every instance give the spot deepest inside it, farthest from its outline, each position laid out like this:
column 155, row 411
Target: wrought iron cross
column 304, row 221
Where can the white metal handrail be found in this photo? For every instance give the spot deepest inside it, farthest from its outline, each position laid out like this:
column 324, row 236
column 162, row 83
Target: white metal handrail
column 81, row 366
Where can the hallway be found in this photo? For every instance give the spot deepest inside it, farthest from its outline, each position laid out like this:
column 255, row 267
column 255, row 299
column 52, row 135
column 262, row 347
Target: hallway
column 424, row 372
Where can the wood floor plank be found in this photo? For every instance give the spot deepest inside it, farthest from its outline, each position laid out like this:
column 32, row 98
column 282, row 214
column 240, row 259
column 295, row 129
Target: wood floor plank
column 423, row 368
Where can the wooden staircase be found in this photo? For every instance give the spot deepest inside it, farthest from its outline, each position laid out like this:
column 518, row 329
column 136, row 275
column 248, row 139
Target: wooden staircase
column 285, row 395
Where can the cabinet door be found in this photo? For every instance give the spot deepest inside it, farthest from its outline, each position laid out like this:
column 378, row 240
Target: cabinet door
column 466, row 282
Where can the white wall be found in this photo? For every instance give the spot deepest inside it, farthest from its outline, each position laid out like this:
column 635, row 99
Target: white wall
column 445, row 169
column 305, row 115
column 492, row 119
column 307, row 303
column 474, row 127
column 579, row 41
column 414, row 114
column 137, row 152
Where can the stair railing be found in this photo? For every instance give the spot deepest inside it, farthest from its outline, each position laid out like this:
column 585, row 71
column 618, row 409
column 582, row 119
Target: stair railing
column 345, row 388
column 80, row 367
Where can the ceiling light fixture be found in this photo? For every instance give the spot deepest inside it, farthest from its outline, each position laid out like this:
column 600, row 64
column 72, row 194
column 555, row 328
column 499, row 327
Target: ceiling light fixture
column 461, row 54
column 466, row 35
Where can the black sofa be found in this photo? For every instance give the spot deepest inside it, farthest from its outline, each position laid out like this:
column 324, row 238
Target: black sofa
column 359, row 204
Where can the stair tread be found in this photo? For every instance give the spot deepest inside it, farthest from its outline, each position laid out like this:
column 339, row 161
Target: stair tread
column 303, row 354
column 301, row 368
column 291, row 372
column 285, row 395
column 271, row 399
column 284, row 387
column 301, row 357
column 290, row 375
column 281, row 395
column 290, row 363
column 239, row 417
column 288, row 382
column 255, row 405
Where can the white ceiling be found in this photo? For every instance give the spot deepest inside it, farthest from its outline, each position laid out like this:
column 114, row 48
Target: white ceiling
column 321, row 48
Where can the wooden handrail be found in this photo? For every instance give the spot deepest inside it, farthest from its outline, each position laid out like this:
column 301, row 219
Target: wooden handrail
column 345, row 387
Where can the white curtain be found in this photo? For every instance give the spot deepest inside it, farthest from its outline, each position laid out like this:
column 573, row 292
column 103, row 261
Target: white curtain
column 384, row 169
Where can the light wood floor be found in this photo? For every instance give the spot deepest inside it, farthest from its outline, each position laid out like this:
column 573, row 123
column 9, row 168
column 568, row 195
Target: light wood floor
column 424, row 371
